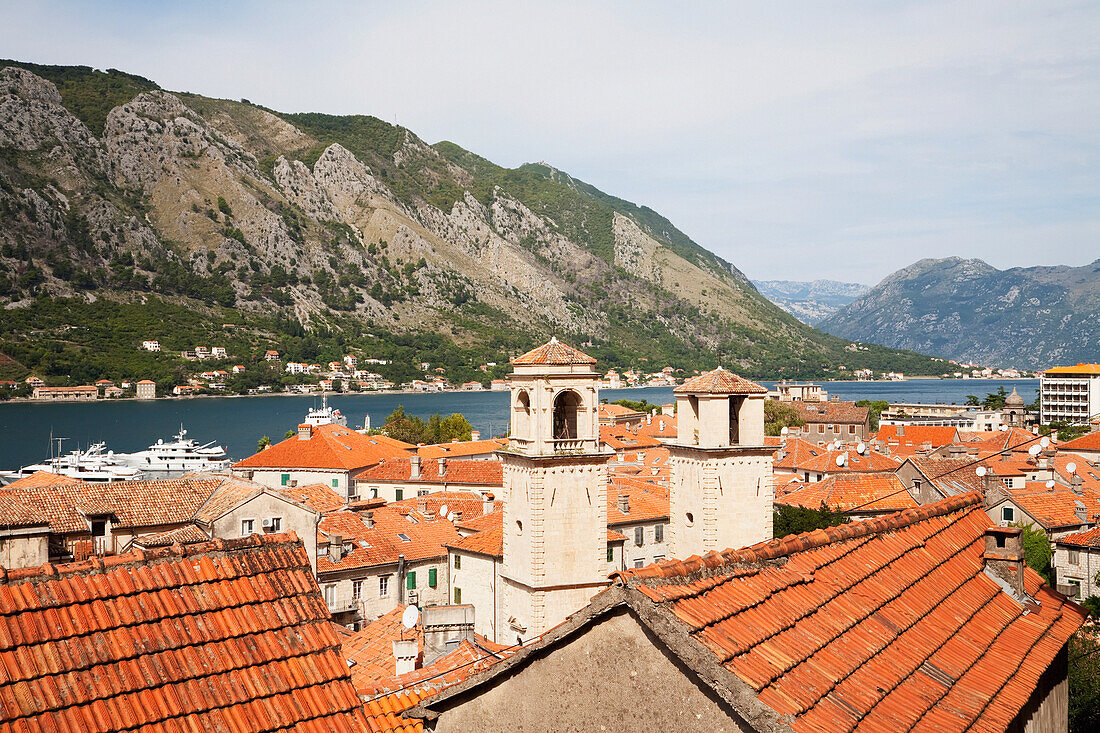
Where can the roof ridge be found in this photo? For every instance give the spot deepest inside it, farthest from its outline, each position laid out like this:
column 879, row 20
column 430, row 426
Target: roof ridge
column 775, row 549
column 51, row 571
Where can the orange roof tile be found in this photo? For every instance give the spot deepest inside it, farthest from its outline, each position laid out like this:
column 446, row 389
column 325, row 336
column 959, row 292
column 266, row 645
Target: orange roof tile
column 796, row 453
column 371, row 649
column 1058, row 507
column 1078, row 369
column 950, row 475
column 185, row 535
column 488, row 541
column 834, row 411
column 642, row 504
column 329, row 446
column 222, row 635
column 719, row 381
column 887, row 624
column 458, row 449
column 555, row 353
column 913, row 438
column 852, row 492
column 619, row 437
column 382, row 543
column 1090, row 538
column 41, row 478
column 473, row 473
column 870, row 461
column 316, row 496
column 1090, row 442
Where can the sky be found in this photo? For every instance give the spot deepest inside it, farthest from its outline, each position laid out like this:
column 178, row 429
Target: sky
column 839, row 140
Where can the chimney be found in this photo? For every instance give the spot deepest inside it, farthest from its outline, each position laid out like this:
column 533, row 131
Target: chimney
column 442, row 467
column 1004, row 556
column 368, row 519
column 335, row 547
column 487, row 503
column 405, row 653
column 422, row 506
column 456, row 517
column 624, row 503
column 414, row 468
column 955, row 451
column 901, row 431
column 1075, row 483
column 475, row 435
column 305, row 432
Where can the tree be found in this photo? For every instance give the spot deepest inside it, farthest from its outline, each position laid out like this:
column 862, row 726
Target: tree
column 874, row 410
column 1084, row 681
column 637, row 405
column 263, row 442
column 972, row 401
column 290, row 434
column 779, row 415
column 995, row 400
column 455, row 427
column 1037, row 550
column 789, row 520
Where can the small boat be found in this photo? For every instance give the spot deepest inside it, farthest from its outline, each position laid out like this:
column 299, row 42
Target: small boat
column 175, row 457
column 325, row 415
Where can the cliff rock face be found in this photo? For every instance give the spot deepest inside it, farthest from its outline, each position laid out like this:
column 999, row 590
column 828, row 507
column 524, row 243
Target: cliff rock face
column 114, row 188
column 810, row 302
column 1032, row 317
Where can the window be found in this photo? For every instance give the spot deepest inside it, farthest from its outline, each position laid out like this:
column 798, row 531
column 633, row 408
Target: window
column 690, row 519
column 639, row 563
column 458, row 562
column 1008, row 514
column 374, row 492
column 458, row 596
column 432, row 575
column 330, row 595
column 384, row 586
column 611, row 554
column 398, row 494
column 410, row 580
column 836, row 428
column 659, row 533
column 1074, row 557
column 821, row 427
column 284, row 479
column 639, row 535
column 851, row 430
column 356, row 590
column 99, row 528
column 247, row 527
column 335, row 482
column 403, row 537
column 421, row 492
column 658, row 558
column 276, row 524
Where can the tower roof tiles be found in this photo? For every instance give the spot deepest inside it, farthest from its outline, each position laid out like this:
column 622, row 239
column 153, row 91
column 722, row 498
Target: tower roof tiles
column 719, row 381
column 553, row 353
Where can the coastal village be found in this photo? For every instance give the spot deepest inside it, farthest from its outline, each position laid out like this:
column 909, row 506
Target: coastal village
column 860, row 568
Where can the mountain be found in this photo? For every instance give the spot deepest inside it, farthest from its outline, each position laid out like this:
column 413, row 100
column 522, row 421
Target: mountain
column 1028, row 317
column 810, row 302
column 128, row 212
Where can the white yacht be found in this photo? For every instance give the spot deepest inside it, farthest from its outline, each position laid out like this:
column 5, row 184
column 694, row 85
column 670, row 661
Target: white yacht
column 325, row 415
column 173, row 458
column 95, row 464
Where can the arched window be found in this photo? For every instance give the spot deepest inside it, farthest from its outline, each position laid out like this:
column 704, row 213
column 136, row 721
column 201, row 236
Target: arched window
column 735, row 405
column 567, row 406
column 521, row 415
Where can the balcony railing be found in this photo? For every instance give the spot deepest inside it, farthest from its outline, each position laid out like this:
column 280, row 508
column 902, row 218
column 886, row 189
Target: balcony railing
column 568, row 445
column 342, row 606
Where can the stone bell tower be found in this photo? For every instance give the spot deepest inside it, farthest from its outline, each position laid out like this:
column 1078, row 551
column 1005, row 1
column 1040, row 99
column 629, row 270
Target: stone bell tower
column 555, row 487
column 722, row 491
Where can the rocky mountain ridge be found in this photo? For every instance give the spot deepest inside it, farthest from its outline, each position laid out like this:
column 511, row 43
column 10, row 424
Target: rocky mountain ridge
column 350, row 225
column 968, row 310
column 813, row 301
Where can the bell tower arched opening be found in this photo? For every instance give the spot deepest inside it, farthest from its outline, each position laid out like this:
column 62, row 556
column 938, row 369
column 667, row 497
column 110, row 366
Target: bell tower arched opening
column 567, row 407
column 521, row 415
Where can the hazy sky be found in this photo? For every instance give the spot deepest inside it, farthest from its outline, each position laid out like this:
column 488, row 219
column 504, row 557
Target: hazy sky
column 798, row 140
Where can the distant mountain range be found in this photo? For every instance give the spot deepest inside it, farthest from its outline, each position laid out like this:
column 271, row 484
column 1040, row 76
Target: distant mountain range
column 315, row 233
column 810, row 302
column 1027, row 317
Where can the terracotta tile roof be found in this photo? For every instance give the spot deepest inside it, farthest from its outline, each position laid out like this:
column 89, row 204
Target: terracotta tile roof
column 184, row 536
column 659, row 426
column 798, row 452
column 1079, row 369
column 41, row 478
column 861, row 492
column 484, row 522
column 830, row 412
column 223, row 635
column 330, row 446
column 384, row 714
column 469, row 504
column 612, row 410
column 555, row 353
column 136, row 504
column 950, row 475
column 449, row 669
column 1090, row 442
column 227, row 495
column 1058, row 507
column 461, row 448
column 619, row 437
column 870, row 461
column 719, row 381
column 371, row 649
column 1090, row 538
column 488, row 541
column 915, row 437
column 613, row 536
column 643, row 505
column 885, row 624
column 473, row 473
column 15, row 511
column 316, row 496
column 382, row 543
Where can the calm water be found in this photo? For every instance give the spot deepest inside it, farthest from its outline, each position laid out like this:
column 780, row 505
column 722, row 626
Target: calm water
column 237, row 423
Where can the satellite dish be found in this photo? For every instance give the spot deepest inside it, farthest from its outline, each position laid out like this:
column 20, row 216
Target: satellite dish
column 1071, row 467
column 861, row 448
column 784, row 430
column 410, row 617
column 1034, row 450
column 1003, row 428
column 980, row 470
column 443, row 511
column 1044, row 441
column 842, row 459
column 1050, row 484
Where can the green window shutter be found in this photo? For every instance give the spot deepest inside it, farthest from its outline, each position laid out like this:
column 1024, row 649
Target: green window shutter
column 611, row 554
column 410, row 580
column 335, row 482
column 458, row 596
column 458, row 562
column 431, row 577
column 398, row 494
column 285, row 478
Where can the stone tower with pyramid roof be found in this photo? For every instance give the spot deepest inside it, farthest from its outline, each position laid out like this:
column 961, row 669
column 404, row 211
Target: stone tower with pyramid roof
column 722, row 491
column 555, row 492
column 1014, row 411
